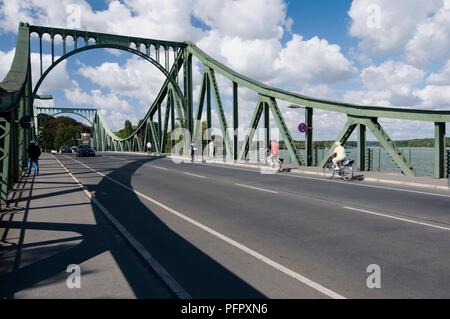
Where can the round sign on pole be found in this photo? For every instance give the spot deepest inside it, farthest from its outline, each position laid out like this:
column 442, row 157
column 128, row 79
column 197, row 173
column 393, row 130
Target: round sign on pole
column 26, row 122
column 302, row 127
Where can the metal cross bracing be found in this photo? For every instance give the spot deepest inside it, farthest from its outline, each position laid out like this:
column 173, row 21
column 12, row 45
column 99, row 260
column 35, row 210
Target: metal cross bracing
column 86, row 113
column 172, row 58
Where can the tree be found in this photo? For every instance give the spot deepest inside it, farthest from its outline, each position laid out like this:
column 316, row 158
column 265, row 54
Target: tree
column 126, row 131
column 60, row 131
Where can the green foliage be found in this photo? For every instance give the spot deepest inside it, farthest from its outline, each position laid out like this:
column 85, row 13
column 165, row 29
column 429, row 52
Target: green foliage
column 59, row 131
column 126, row 131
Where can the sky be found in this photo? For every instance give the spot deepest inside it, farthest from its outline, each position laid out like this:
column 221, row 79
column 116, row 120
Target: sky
column 369, row 52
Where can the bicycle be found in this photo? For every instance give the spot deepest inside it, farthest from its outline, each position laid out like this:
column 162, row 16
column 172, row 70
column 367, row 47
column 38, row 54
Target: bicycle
column 345, row 169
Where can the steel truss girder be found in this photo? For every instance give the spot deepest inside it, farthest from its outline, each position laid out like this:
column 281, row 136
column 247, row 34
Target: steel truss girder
column 221, row 113
column 381, row 135
column 253, row 126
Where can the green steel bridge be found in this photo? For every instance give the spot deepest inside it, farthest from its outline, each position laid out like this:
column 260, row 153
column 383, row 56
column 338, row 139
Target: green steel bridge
column 17, row 95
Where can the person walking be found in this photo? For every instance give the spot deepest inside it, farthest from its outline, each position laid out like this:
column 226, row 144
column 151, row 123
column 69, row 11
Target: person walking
column 193, row 149
column 211, row 149
column 149, row 148
column 33, row 157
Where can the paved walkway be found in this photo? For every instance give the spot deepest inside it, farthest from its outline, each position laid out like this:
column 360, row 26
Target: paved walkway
column 50, row 224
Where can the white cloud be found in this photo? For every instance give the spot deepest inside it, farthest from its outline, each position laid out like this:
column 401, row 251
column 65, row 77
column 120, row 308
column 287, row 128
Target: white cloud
column 312, row 61
column 433, row 96
column 389, row 84
column 442, row 77
column 136, row 78
column 112, row 107
column 246, row 19
column 6, row 59
column 386, row 25
column 431, row 39
column 149, row 18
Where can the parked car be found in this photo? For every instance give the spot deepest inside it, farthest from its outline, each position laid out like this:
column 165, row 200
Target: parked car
column 85, row 150
column 65, row 149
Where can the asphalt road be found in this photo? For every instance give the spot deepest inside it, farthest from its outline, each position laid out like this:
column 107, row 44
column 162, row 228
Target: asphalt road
column 233, row 232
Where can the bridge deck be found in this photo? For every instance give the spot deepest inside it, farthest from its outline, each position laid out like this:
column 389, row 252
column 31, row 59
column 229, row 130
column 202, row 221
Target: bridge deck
column 223, row 231
column 50, row 224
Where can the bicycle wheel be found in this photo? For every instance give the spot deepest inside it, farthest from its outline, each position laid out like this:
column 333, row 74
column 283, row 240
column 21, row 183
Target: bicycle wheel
column 328, row 171
column 348, row 173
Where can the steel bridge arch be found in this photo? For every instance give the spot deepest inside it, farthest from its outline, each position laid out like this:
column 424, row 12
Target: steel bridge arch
column 111, row 46
column 68, row 112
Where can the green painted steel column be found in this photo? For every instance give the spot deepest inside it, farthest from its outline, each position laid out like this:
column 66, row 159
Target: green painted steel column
column 309, row 136
column 361, row 147
column 188, row 91
column 40, row 53
column 439, row 150
column 208, row 107
column 235, row 121
column 159, row 120
column 266, row 124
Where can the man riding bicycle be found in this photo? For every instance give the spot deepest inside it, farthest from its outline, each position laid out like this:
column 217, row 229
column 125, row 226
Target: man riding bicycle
column 339, row 153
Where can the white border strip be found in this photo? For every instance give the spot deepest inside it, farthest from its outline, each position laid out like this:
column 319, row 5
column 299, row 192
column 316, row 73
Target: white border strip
column 194, row 175
column 164, row 275
column 256, row 188
column 264, row 259
column 396, row 218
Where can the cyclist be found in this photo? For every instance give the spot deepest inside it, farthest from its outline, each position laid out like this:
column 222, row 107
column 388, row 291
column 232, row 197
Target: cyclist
column 339, row 153
column 273, row 153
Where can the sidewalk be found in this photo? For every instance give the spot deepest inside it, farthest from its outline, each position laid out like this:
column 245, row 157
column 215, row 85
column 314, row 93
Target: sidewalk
column 50, row 224
column 392, row 179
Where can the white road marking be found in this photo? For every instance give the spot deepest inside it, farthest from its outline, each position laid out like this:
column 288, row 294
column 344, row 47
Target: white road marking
column 173, row 285
column 194, row 175
column 257, row 188
column 334, row 181
column 159, row 167
column 396, row 218
column 328, row 292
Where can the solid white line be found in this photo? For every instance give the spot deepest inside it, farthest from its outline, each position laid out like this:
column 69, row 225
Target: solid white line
column 173, row 285
column 194, row 175
column 257, row 188
column 159, row 167
column 268, row 261
column 396, row 218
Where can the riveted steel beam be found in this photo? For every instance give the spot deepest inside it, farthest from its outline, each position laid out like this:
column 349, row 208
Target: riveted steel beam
column 243, row 154
column 220, row 112
column 287, row 138
column 439, row 150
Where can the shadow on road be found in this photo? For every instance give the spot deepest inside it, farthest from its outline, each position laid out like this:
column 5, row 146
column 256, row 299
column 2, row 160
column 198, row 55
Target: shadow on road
column 46, row 262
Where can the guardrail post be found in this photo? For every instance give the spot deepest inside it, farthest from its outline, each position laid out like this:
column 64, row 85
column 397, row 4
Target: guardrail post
column 448, row 164
column 369, row 158
column 315, row 156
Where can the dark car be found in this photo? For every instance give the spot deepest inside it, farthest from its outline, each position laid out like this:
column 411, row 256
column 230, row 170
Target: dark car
column 65, row 149
column 85, row 150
